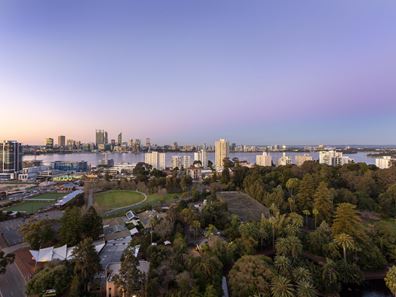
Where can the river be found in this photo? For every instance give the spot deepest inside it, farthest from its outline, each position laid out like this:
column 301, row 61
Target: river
column 94, row 158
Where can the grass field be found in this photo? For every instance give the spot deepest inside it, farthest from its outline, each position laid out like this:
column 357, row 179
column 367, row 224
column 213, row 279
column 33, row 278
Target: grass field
column 48, row 196
column 153, row 200
column 29, row 206
column 116, row 198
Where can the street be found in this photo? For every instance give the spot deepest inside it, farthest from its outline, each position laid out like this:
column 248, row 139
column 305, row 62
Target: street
column 12, row 283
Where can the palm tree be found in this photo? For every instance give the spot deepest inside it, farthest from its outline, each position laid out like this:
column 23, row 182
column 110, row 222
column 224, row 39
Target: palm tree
column 291, row 202
column 282, row 264
column 390, row 280
column 281, row 287
column 330, row 274
column 306, row 289
column 302, row 274
column 345, row 241
column 315, row 212
column 306, row 213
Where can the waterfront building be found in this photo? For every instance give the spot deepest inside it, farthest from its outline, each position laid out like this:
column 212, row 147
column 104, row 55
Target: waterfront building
column 222, row 151
column 81, row 166
column 155, row 159
column 176, row 162
column 148, row 142
column 101, row 137
column 71, row 144
column 333, row 158
column 49, row 143
column 62, row 141
column 284, row 160
column 202, row 156
column 264, row 160
column 119, row 138
column 383, row 163
column 301, row 159
column 10, row 157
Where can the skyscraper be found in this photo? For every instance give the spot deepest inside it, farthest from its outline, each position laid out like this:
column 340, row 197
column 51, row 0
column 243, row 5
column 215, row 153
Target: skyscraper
column 61, row 141
column 10, row 156
column 49, row 143
column 222, row 151
column 101, row 137
column 148, row 142
column 119, row 139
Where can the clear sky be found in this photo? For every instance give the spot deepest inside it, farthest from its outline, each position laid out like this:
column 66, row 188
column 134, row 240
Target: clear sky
column 280, row 71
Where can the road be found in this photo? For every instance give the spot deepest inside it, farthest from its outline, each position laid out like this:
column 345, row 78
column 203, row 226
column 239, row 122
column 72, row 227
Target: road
column 12, row 283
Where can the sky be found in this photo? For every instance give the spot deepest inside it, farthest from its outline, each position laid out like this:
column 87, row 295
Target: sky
column 192, row 71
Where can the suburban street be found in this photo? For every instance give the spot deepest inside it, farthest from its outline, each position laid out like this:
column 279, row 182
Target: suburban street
column 12, row 283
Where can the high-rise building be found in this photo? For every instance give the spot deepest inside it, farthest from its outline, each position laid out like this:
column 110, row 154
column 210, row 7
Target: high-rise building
column 202, row 156
column 222, row 151
column 148, row 142
column 49, row 143
column 71, row 144
column 119, row 139
column 10, row 156
column 284, row 160
column 155, row 159
column 264, row 160
column 333, row 158
column 61, row 141
column 301, row 159
column 101, row 137
column 176, row 162
column 383, row 163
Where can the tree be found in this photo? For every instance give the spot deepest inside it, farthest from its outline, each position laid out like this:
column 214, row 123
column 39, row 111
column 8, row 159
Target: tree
column 346, row 242
column 91, row 224
column 86, row 263
column 306, row 191
column 390, row 280
column 305, row 289
column 53, row 276
column 323, row 202
column 330, row 277
column 210, row 291
column 196, row 226
column 348, row 221
column 5, row 260
column 387, row 201
column 225, row 176
column 250, row 275
column 289, row 247
column 281, row 287
column 38, row 233
column 282, row 264
column 70, row 230
column 130, row 279
column 292, row 185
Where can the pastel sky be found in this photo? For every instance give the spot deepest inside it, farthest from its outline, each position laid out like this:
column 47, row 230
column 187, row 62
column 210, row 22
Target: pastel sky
column 192, row 71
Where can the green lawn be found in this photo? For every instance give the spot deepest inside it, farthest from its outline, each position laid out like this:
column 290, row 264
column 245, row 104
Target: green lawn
column 116, row 198
column 49, row 196
column 158, row 197
column 29, row 206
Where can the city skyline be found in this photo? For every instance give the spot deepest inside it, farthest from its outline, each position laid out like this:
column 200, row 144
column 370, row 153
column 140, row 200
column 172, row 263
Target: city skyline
column 267, row 72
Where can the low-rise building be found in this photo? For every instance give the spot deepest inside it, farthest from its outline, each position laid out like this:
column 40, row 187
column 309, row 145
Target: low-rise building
column 264, row 160
column 301, row 159
column 284, row 160
column 383, row 163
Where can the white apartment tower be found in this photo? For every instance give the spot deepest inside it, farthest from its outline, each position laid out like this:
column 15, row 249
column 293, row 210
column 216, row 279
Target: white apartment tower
column 383, row 163
column 284, row 160
column 333, row 158
column 202, row 156
column 264, row 160
column 222, row 151
column 301, row 159
column 155, row 159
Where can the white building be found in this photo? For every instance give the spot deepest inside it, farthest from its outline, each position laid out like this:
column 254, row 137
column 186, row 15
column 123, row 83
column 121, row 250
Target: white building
column 202, row 156
column 383, row 163
column 264, row 160
column 222, row 151
column 284, row 160
column 301, row 159
column 31, row 173
column 333, row 158
column 155, row 159
column 181, row 162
